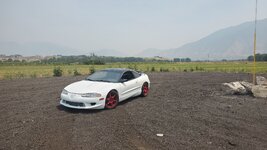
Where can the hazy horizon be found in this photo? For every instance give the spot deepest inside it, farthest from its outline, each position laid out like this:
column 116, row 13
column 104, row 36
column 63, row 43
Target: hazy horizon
column 128, row 27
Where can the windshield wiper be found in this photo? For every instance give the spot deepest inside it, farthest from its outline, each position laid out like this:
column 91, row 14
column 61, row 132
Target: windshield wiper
column 102, row 80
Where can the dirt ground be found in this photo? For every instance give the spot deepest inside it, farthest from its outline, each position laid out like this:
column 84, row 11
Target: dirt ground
column 189, row 109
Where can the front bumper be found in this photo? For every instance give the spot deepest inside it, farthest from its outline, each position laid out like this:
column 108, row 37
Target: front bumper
column 78, row 102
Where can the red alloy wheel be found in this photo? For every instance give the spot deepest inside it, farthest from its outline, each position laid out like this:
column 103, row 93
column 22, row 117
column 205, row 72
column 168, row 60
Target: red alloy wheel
column 145, row 89
column 111, row 100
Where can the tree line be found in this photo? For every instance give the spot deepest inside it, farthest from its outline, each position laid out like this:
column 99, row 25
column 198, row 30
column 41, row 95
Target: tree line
column 101, row 60
column 182, row 60
column 259, row 57
column 86, row 60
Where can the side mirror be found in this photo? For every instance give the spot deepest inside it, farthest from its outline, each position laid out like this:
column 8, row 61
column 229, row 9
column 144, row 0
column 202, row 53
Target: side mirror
column 123, row 80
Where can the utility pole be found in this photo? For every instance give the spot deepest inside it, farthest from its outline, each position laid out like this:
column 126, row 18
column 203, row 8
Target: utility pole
column 255, row 45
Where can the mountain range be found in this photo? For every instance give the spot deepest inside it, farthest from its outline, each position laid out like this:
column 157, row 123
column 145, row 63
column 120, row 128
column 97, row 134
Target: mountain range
column 234, row 42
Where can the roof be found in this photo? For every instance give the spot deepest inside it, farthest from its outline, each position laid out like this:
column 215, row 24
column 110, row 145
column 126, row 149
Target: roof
column 118, row 69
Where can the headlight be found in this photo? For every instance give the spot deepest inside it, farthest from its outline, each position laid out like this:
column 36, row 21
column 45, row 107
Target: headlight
column 65, row 92
column 91, row 95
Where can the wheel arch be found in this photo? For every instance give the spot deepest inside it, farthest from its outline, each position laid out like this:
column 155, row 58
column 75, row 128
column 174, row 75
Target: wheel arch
column 146, row 82
column 115, row 91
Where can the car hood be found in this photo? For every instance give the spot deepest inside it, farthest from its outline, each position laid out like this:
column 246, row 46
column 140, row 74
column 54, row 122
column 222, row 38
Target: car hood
column 87, row 86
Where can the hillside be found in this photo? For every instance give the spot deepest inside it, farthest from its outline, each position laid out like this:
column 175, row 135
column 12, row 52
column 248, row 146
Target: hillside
column 231, row 43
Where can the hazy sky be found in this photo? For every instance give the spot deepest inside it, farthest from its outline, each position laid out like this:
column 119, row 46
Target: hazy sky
column 124, row 25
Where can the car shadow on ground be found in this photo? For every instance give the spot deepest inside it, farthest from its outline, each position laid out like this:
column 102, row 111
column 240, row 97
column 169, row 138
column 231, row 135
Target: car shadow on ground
column 129, row 100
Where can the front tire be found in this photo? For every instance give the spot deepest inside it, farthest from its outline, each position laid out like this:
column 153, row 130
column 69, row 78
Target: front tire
column 112, row 100
column 145, row 89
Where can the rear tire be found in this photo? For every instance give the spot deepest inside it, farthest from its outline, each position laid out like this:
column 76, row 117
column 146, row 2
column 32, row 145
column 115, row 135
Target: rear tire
column 145, row 89
column 112, row 100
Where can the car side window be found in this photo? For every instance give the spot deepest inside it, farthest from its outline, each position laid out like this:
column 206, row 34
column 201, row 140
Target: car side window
column 128, row 76
column 136, row 75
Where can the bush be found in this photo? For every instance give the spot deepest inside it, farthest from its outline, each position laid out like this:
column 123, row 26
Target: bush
column 34, row 75
column 164, row 70
column 69, row 72
column 92, row 70
column 135, row 67
column 8, row 76
column 57, row 72
column 19, row 75
column 153, row 69
column 199, row 68
column 76, row 73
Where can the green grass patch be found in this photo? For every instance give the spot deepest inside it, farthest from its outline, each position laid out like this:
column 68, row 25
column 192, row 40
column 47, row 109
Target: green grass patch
column 37, row 71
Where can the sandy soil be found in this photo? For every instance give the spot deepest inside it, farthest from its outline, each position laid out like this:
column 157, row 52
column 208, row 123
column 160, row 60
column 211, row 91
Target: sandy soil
column 189, row 109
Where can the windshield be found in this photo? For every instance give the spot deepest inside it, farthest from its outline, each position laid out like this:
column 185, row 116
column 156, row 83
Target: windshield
column 105, row 76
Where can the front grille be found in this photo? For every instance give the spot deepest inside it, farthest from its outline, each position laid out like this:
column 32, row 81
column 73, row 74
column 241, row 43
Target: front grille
column 74, row 103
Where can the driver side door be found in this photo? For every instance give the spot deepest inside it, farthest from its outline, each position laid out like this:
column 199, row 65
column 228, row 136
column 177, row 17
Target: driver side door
column 129, row 85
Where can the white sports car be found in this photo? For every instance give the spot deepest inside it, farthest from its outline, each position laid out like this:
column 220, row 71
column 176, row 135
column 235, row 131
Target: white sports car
column 105, row 89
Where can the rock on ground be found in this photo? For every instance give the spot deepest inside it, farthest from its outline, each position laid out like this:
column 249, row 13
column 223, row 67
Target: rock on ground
column 234, row 88
column 247, row 86
column 261, row 80
column 259, row 91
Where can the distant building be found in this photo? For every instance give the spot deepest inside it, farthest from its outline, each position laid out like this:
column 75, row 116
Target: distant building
column 161, row 58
